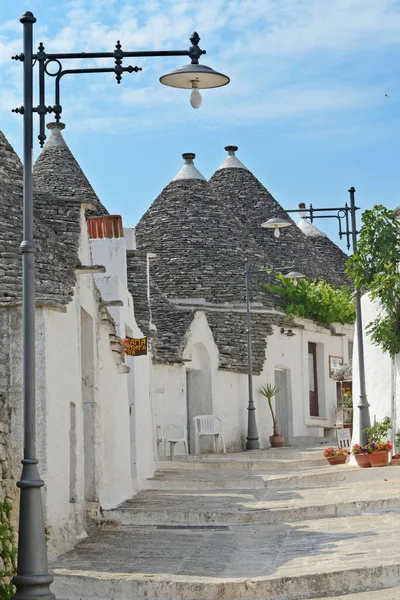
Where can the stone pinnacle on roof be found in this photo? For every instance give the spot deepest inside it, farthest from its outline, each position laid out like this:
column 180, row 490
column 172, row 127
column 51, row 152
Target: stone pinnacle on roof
column 231, row 161
column 188, row 170
column 57, row 171
column 306, row 227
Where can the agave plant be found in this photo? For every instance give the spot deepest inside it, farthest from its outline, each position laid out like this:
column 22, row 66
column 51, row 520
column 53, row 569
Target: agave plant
column 269, row 391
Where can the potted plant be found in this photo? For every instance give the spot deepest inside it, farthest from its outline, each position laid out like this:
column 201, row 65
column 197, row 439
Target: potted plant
column 396, row 460
column 269, row 391
column 379, row 449
column 361, row 454
column 396, row 457
column 336, row 456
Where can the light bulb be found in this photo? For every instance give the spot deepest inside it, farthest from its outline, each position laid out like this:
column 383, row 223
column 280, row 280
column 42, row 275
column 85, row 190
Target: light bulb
column 195, row 97
column 294, row 281
column 277, row 233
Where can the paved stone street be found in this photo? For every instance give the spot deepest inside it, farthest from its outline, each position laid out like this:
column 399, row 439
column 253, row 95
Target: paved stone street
column 336, row 534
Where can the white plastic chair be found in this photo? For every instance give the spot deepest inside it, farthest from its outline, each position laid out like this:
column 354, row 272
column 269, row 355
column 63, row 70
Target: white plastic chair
column 173, row 434
column 208, row 425
column 343, row 438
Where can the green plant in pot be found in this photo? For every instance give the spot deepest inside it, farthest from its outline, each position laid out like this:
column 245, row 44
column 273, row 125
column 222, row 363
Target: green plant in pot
column 269, row 391
column 396, row 457
column 379, row 448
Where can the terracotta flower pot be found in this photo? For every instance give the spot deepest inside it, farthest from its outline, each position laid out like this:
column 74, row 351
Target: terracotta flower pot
column 363, row 460
column 379, row 458
column 396, row 462
column 276, row 441
column 337, row 460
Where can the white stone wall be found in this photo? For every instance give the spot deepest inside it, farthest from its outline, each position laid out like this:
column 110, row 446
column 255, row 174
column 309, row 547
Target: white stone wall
column 83, row 424
column 292, row 354
column 381, row 377
column 111, row 253
column 169, row 396
column 229, row 390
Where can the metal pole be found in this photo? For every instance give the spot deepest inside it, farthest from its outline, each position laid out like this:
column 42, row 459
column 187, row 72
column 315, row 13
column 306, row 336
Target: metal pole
column 252, row 442
column 365, row 420
column 33, row 579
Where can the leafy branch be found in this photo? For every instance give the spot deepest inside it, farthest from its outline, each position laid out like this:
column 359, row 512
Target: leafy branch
column 374, row 267
column 316, row 300
column 8, row 551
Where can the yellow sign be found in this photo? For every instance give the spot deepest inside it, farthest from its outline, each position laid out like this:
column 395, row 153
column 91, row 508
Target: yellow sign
column 135, row 346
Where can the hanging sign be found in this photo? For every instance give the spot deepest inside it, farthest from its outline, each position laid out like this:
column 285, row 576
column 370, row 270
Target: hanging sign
column 135, row 346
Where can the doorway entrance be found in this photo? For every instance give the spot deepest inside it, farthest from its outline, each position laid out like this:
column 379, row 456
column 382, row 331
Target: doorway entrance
column 198, row 392
column 283, row 404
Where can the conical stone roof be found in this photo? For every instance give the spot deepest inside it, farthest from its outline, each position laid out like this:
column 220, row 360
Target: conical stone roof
column 56, row 239
column 200, row 250
column 10, row 165
column 245, row 197
column 56, row 170
column 200, row 245
column 323, row 245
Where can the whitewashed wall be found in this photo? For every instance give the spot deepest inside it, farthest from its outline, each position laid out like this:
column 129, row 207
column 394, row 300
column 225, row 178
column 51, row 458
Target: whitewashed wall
column 113, row 287
column 82, row 403
column 230, row 390
column 292, row 354
column 381, row 377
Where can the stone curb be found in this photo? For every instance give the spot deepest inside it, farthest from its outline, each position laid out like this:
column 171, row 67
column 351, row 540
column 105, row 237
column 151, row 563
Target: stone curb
column 133, row 516
column 84, row 585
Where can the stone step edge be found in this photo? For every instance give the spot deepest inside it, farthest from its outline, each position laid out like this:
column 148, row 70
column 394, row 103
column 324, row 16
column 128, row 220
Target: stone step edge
column 240, row 465
column 85, row 585
column 381, row 594
column 350, row 473
column 266, row 515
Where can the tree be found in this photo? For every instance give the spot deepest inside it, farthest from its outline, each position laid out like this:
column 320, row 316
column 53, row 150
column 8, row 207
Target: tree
column 374, row 268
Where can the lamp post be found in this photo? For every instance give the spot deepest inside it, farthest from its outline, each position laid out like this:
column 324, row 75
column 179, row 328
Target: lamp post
column 346, row 214
column 33, row 579
column 252, row 439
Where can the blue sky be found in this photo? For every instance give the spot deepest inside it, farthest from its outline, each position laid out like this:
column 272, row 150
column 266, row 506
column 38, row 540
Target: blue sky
column 312, row 103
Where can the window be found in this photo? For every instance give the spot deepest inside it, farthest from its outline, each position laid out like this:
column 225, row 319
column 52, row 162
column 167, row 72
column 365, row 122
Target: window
column 350, row 349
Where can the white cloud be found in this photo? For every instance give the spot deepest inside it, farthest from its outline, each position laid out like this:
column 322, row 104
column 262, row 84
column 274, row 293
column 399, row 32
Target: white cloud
column 284, row 57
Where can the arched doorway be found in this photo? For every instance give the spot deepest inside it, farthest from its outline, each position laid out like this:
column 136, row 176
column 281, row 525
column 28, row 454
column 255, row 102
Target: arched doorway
column 198, row 391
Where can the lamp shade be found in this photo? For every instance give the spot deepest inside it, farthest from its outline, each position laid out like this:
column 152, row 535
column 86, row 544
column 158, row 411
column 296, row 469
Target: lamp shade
column 276, row 223
column 294, row 275
column 205, row 77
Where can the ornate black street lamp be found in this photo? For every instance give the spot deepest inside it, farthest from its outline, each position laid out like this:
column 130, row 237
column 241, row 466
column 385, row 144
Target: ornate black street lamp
column 252, row 440
column 33, row 579
column 344, row 214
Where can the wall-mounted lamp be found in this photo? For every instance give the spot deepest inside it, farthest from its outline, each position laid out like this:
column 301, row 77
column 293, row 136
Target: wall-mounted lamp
column 287, row 332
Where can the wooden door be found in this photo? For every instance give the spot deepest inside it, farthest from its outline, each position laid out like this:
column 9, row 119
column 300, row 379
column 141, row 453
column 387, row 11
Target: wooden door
column 312, row 379
column 281, row 404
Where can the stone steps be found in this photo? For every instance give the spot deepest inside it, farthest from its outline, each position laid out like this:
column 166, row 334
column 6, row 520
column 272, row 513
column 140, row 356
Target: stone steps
column 241, row 506
column 241, row 533
column 205, row 479
column 130, row 516
column 270, row 464
column 86, row 586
